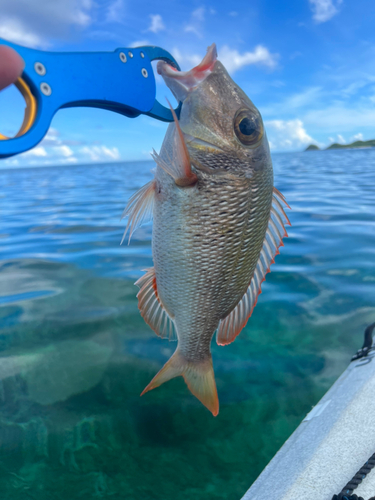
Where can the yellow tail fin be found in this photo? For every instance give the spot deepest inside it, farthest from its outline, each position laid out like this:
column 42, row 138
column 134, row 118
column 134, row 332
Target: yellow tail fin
column 199, row 377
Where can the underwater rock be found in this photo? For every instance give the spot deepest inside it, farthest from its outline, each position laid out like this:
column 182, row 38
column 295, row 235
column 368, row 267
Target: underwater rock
column 13, row 365
column 24, row 442
column 68, row 368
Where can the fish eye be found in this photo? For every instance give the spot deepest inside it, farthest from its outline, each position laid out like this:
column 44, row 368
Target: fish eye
column 248, row 127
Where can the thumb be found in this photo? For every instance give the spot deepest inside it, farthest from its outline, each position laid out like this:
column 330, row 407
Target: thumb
column 11, row 66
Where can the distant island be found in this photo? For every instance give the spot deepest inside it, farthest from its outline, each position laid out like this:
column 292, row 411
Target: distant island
column 335, row 145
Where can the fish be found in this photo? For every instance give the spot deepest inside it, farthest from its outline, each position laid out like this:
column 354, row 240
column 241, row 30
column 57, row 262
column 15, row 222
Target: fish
column 218, row 222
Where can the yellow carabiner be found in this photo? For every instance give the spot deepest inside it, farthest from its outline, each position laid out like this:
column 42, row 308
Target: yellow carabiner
column 30, row 111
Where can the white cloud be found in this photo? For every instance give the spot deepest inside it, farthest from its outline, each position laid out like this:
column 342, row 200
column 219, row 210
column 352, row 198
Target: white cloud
column 198, row 14
column 295, row 104
column 354, row 87
column 325, row 110
column 196, row 22
column 186, row 61
column 64, row 155
column 100, row 153
column 305, row 98
column 356, row 137
column 190, row 28
column 52, row 148
column 48, row 161
column 9, row 162
column 15, row 31
column 335, row 117
column 324, row 10
column 139, row 43
column 105, row 35
column 115, row 12
column 287, row 134
column 35, row 23
column 339, row 139
column 156, row 23
column 64, row 151
column 38, row 151
column 111, row 152
column 233, row 60
column 55, row 151
column 295, row 54
column 52, row 137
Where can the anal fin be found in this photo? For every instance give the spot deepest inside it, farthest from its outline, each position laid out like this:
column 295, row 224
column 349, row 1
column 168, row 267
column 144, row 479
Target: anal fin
column 232, row 325
column 152, row 310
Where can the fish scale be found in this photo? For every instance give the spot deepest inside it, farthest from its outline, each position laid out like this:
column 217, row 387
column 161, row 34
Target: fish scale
column 211, row 206
column 253, row 236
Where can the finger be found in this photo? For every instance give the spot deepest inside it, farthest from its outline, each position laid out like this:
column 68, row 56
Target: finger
column 11, row 66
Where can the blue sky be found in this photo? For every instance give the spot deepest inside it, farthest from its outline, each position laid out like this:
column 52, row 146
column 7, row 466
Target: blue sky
column 308, row 65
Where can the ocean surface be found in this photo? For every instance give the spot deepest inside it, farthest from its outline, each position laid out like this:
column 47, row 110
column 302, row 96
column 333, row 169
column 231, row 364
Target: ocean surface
column 76, row 354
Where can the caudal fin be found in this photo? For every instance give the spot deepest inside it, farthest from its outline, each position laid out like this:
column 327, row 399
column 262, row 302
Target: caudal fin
column 199, row 377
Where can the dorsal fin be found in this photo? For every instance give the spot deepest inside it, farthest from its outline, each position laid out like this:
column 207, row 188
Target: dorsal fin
column 232, row 325
column 179, row 167
column 152, row 310
column 139, row 208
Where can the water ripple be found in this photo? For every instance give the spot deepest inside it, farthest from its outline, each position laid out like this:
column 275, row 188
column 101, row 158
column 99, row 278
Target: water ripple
column 75, row 353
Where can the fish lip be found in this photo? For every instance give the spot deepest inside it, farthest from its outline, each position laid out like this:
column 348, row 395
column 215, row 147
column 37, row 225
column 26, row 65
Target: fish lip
column 206, row 65
column 183, row 82
column 165, row 69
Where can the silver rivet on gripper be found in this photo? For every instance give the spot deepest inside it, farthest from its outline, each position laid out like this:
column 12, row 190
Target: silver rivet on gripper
column 40, row 68
column 45, row 88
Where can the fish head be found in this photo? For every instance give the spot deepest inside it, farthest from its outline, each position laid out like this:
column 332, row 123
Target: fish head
column 222, row 128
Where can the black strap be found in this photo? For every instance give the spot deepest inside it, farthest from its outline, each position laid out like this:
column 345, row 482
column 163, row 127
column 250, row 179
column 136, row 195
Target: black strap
column 342, row 496
column 346, row 492
column 368, row 344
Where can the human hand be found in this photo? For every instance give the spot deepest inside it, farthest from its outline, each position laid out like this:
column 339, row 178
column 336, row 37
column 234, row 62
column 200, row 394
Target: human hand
column 11, row 66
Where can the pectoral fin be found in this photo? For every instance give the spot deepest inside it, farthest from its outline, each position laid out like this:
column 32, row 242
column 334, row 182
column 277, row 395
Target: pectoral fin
column 139, row 208
column 178, row 167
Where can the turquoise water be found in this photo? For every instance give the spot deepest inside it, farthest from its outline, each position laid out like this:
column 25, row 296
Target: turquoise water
column 75, row 353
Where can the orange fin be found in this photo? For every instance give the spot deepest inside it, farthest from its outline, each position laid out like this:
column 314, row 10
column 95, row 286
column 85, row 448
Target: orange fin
column 199, row 377
column 232, row 325
column 152, row 310
column 281, row 196
column 180, row 167
column 139, row 208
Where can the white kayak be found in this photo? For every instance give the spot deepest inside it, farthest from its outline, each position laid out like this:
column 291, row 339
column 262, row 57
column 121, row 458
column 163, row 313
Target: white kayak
column 331, row 444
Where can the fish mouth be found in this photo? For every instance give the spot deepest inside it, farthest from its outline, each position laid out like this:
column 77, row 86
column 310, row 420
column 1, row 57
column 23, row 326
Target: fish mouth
column 183, row 82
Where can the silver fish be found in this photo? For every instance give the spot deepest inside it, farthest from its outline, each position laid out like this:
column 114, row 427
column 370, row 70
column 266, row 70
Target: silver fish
column 218, row 222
